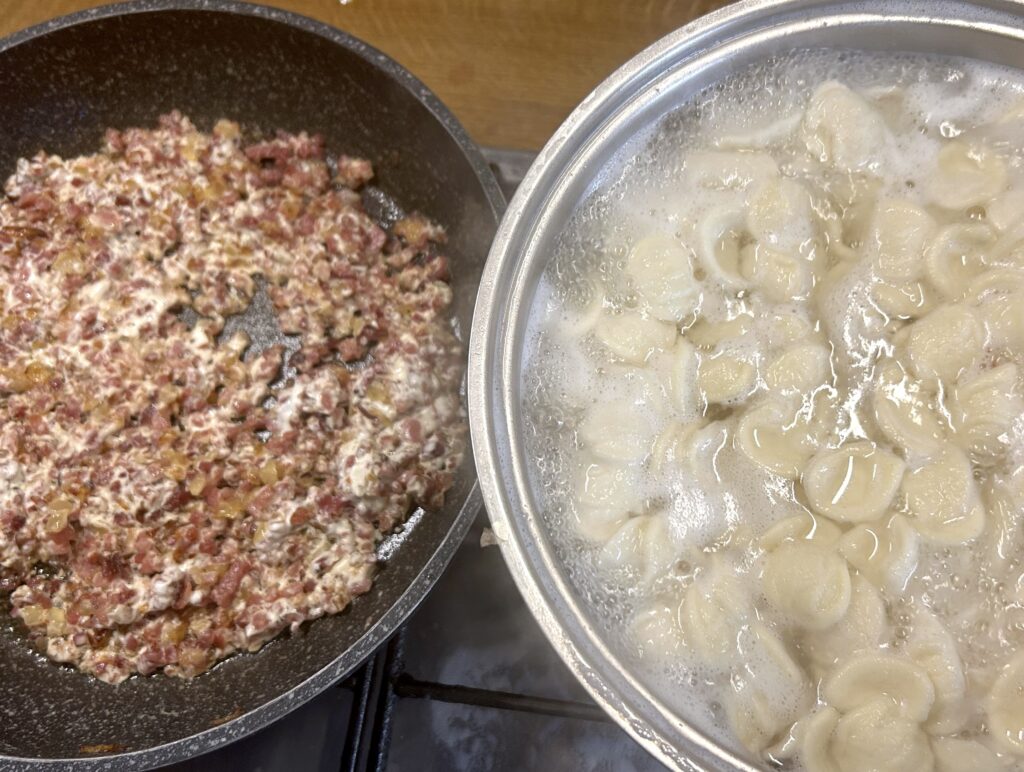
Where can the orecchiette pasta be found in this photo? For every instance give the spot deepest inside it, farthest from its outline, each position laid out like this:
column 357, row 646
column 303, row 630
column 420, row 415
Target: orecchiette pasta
column 776, row 437
column 956, row 256
column 945, row 343
column 864, row 678
column 877, row 738
column 903, row 411
column 725, row 379
column 683, row 376
column 953, row 754
column 900, row 233
column 716, row 607
column 853, row 483
column 769, row 690
column 720, row 238
column 616, row 431
column 1006, row 707
column 840, row 128
column 808, row 583
column 729, row 170
column 885, row 552
column 633, row 337
column 910, row 300
column 763, row 136
column 661, row 271
column 657, row 630
column 799, row 369
column 606, row 485
column 983, row 409
column 943, row 500
column 779, row 276
column 708, row 334
column 802, row 527
column 966, row 175
column 932, row 647
column 642, row 547
column 779, row 215
column 864, row 627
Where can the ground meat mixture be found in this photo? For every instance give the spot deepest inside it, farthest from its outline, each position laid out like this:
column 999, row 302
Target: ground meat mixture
column 168, row 493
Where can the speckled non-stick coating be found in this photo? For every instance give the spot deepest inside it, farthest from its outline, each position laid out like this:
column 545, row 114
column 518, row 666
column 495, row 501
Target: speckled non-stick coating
column 61, row 85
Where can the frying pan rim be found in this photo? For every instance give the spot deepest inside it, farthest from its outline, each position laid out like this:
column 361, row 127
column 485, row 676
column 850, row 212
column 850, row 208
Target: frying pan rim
column 414, row 593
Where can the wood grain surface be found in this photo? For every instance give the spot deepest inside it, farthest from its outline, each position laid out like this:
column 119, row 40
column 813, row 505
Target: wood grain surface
column 511, row 70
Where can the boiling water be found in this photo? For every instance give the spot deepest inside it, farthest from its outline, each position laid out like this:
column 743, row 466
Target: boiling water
column 717, row 507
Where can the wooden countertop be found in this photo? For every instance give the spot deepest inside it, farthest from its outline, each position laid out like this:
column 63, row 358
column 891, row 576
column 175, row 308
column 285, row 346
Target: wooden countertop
column 511, row 70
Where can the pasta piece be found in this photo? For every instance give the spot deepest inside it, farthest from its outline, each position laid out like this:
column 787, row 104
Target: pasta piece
column 900, row 233
column 903, row 411
column 864, row 627
column 787, row 325
column 816, row 746
column 779, row 216
column 682, row 376
column 769, row 690
column 842, row 129
column 945, row 343
column 853, row 483
column 966, row 175
column 762, row 136
column 698, row 452
column 799, row 528
column 598, row 524
column 716, row 608
column 633, row 337
column 997, row 296
column 884, row 552
column 661, row 272
column 953, row 754
column 1005, row 707
column 877, row 738
column 608, row 486
column 616, row 431
column 1006, row 517
column 808, row 583
column 708, row 334
column 865, row 677
column 774, row 437
column 656, row 631
column 1003, row 212
column 641, row 547
column 910, row 300
column 983, row 409
column 800, row 369
column 779, row 276
column 725, row 379
column 932, row 647
column 674, row 444
column 728, row 170
column 943, row 500
column 956, row 256
column 721, row 235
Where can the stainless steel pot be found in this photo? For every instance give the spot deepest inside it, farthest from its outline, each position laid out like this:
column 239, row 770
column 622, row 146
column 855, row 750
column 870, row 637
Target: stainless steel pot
column 630, row 101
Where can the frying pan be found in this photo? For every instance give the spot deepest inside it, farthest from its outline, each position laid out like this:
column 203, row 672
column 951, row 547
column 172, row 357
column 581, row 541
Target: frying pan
column 64, row 82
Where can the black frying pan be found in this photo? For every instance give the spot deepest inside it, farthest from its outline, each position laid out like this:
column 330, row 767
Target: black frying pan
column 61, row 84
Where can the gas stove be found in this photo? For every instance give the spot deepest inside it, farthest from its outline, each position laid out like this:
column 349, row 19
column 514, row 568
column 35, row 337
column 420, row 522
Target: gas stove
column 468, row 683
